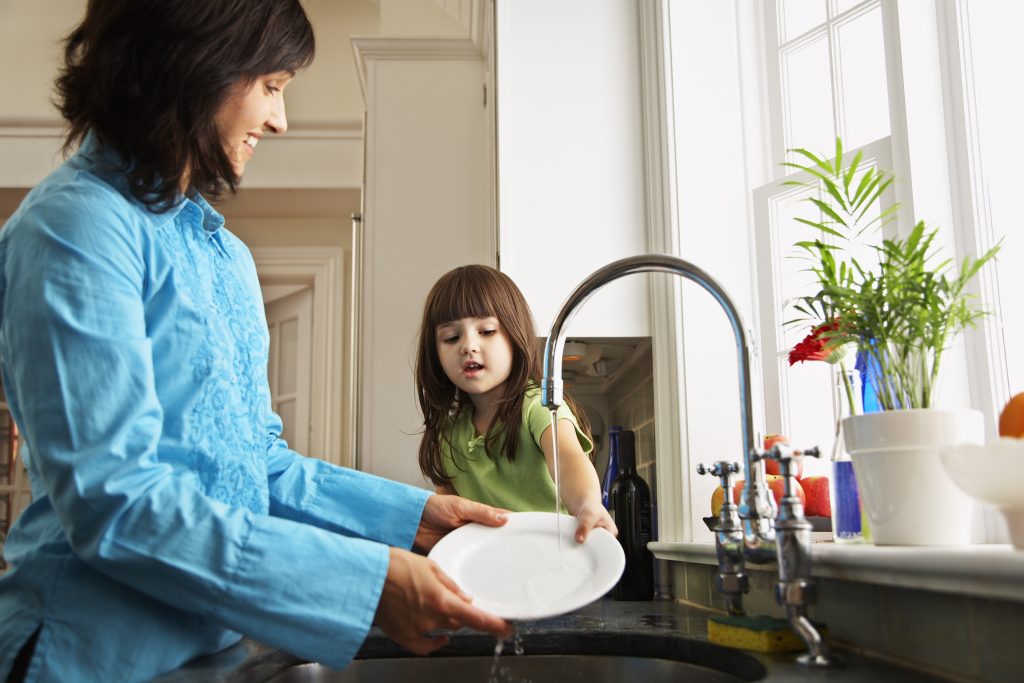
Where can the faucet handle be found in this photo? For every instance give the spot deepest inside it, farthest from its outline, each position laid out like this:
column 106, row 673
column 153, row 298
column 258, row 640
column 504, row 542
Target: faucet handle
column 786, row 456
column 723, row 469
column 728, row 516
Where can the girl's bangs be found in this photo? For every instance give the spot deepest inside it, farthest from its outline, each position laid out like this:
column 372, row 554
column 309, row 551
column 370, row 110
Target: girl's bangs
column 461, row 298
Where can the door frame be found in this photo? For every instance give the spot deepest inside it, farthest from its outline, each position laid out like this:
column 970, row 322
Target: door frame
column 326, row 270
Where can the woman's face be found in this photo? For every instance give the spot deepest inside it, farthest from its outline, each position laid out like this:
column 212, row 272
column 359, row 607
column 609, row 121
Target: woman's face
column 250, row 113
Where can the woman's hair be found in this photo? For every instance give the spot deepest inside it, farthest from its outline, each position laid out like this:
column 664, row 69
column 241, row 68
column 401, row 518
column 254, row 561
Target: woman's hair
column 475, row 291
column 147, row 77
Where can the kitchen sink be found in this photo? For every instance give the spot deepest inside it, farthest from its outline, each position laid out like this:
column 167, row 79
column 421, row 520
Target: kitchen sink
column 547, row 657
column 509, row 669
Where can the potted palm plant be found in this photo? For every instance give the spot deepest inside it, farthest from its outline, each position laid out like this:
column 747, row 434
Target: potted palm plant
column 902, row 313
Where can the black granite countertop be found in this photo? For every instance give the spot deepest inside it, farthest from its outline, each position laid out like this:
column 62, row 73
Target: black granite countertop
column 661, row 629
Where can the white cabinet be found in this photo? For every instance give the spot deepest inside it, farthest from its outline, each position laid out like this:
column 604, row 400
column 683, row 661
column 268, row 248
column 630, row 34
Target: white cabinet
column 570, row 176
column 427, row 207
column 570, row 157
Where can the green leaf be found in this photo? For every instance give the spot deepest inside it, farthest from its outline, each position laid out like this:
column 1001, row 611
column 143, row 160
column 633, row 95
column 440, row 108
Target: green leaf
column 903, row 311
column 821, row 163
column 820, row 226
column 851, row 171
column 828, row 210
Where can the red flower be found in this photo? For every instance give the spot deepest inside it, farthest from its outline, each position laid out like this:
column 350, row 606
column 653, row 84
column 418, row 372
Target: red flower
column 818, row 345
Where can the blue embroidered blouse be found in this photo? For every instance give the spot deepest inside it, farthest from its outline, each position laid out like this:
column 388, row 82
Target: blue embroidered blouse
column 168, row 517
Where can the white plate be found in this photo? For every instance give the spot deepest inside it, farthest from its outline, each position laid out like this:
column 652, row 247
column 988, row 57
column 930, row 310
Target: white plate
column 514, row 570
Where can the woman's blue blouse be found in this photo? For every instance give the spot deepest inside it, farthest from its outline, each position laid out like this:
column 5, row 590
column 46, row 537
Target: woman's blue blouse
column 168, row 517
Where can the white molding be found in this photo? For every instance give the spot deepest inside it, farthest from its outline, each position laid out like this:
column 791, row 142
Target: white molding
column 29, row 150
column 754, row 112
column 354, row 341
column 315, row 154
column 324, row 269
column 671, row 441
column 985, row 345
column 898, row 115
column 480, row 25
column 341, row 129
column 367, row 49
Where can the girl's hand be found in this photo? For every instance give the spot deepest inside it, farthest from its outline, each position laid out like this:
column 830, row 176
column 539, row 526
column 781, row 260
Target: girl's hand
column 590, row 515
column 442, row 513
column 418, row 599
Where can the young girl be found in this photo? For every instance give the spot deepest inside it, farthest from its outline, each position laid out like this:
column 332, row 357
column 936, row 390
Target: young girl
column 486, row 434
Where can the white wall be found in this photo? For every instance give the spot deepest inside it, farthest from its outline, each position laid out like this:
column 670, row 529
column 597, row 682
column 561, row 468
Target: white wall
column 712, row 191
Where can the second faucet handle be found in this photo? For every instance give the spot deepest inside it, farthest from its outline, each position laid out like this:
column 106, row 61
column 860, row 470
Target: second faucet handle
column 785, row 455
column 728, row 516
column 723, row 469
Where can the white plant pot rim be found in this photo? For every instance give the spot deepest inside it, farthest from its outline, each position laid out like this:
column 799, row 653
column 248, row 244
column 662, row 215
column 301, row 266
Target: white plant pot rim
column 910, row 428
column 909, row 497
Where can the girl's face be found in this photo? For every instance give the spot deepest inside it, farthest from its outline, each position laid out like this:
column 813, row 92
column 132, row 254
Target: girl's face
column 250, row 113
column 475, row 354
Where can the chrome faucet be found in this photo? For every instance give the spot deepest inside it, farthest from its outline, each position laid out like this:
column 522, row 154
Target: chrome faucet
column 747, row 532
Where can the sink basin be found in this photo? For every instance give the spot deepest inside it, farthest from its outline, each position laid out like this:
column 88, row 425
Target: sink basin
column 590, row 657
column 534, row 668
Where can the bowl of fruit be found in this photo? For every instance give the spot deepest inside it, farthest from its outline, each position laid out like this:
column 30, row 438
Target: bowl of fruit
column 993, row 473
column 813, row 491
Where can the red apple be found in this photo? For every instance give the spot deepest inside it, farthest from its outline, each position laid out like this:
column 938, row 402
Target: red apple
column 818, row 503
column 772, row 466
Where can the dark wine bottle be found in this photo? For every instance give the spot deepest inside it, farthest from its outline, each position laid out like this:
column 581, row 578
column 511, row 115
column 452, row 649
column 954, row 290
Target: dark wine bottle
column 631, row 506
column 612, row 469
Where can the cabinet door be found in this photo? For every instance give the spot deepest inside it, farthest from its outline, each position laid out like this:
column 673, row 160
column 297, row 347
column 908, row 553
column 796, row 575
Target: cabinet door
column 427, row 209
column 570, row 158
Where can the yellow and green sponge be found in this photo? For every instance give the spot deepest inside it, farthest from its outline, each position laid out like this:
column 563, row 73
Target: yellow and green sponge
column 760, row 633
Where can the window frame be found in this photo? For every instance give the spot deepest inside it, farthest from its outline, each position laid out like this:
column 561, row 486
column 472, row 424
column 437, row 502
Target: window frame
column 772, row 308
column 930, row 146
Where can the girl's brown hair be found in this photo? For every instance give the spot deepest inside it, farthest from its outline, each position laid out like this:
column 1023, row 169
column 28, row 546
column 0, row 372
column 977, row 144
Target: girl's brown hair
column 475, row 291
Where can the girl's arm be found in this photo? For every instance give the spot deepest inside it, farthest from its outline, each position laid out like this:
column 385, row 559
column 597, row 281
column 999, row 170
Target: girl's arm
column 581, row 490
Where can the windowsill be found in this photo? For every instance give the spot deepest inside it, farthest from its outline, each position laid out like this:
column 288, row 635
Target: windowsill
column 990, row 571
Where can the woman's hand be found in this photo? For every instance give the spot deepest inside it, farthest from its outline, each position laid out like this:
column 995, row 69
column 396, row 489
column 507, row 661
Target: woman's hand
column 590, row 515
column 442, row 513
column 419, row 598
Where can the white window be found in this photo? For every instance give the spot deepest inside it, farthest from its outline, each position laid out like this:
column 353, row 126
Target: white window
column 825, row 65
column 799, row 398
column 826, row 69
column 988, row 98
column 925, row 89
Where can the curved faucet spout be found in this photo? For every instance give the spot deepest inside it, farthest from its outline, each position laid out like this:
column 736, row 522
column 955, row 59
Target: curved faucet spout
column 756, row 507
column 552, row 387
column 759, row 542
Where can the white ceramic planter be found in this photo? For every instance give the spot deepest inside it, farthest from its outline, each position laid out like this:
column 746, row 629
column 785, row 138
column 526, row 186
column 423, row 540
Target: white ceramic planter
column 907, row 493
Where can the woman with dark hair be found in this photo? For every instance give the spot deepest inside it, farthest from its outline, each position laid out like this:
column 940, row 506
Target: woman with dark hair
column 168, row 516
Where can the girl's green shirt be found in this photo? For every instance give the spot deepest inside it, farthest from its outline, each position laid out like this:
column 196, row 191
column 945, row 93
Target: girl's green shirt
column 522, row 485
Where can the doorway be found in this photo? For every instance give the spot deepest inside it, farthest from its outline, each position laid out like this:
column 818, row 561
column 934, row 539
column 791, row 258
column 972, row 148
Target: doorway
column 305, row 294
column 289, row 310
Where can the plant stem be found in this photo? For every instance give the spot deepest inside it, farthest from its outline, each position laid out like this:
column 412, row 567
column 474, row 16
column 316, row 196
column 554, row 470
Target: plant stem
column 847, row 388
